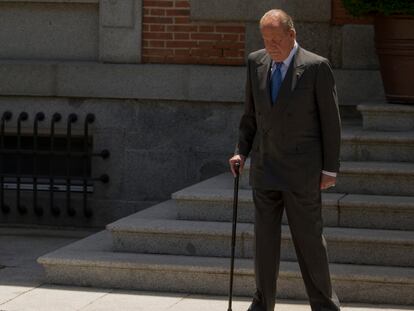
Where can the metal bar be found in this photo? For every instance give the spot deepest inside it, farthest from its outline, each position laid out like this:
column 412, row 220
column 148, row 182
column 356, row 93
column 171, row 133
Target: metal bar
column 47, row 187
column 22, row 117
column 5, row 117
column 40, row 116
column 71, row 119
column 90, row 118
column 103, row 178
column 54, row 209
column 103, row 154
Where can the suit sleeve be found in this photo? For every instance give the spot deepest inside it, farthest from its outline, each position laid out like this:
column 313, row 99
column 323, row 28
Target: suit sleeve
column 327, row 101
column 247, row 126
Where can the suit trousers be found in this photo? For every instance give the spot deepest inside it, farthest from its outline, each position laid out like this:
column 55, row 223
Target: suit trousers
column 304, row 214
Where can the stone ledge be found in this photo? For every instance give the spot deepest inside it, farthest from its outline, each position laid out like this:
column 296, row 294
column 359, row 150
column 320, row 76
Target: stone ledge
column 90, row 79
column 53, row 1
column 156, row 81
column 45, row 231
column 248, row 11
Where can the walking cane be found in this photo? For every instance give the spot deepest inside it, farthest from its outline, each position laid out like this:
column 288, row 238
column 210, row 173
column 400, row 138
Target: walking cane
column 233, row 233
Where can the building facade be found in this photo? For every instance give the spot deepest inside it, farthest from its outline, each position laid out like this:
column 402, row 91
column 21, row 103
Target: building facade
column 157, row 84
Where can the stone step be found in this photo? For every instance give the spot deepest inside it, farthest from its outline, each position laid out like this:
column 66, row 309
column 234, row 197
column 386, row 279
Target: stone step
column 387, row 117
column 367, row 177
column 91, row 262
column 378, row 178
column 364, row 145
column 212, row 200
column 376, row 212
column 213, row 239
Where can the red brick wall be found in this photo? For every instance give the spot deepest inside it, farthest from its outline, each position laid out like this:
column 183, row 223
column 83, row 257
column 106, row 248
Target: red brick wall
column 169, row 36
column 340, row 16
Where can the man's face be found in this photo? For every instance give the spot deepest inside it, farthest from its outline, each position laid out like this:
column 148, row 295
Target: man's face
column 278, row 41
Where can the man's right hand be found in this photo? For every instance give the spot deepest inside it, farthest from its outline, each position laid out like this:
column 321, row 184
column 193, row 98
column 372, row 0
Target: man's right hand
column 237, row 159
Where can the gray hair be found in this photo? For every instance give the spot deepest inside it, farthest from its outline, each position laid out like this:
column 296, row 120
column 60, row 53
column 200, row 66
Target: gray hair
column 280, row 16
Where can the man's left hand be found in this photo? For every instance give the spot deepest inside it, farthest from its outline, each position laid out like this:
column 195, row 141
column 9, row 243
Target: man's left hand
column 327, row 181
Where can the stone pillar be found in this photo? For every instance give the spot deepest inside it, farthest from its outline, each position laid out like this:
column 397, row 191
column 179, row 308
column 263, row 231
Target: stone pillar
column 120, row 31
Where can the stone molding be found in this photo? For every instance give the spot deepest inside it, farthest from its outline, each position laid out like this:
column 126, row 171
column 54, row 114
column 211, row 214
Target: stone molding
column 53, row 1
column 154, row 81
column 252, row 11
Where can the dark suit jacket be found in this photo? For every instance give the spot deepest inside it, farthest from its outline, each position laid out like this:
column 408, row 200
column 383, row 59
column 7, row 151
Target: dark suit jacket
column 293, row 140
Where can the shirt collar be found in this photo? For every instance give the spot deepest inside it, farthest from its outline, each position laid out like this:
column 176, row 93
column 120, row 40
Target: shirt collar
column 288, row 59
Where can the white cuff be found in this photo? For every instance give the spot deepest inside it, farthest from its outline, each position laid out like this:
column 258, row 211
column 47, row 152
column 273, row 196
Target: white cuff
column 332, row 174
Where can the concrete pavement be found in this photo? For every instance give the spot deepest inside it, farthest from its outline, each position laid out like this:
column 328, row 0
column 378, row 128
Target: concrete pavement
column 22, row 286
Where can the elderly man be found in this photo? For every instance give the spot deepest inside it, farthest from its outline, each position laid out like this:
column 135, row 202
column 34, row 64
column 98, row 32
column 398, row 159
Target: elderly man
column 291, row 126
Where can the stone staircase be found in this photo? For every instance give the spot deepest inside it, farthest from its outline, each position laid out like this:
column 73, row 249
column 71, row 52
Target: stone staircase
column 183, row 245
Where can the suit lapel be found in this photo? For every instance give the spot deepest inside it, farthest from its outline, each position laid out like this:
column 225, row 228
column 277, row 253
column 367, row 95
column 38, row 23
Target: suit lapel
column 298, row 67
column 263, row 74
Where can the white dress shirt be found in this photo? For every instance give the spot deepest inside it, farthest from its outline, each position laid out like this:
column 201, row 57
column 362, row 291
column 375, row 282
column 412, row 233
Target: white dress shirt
column 285, row 64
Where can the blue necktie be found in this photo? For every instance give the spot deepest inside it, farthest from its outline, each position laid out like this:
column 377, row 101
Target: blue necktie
column 276, row 82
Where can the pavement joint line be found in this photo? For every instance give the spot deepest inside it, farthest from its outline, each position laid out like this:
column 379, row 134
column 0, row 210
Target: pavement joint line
column 96, row 299
column 177, row 302
column 21, row 294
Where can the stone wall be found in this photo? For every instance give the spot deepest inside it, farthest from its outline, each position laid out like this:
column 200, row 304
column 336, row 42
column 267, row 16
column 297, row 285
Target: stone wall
column 169, row 36
column 77, row 30
column 167, row 126
column 45, row 31
column 156, row 148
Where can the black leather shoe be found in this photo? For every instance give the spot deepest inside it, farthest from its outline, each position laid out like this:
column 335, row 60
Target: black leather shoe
column 256, row 304
column 255, row 307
